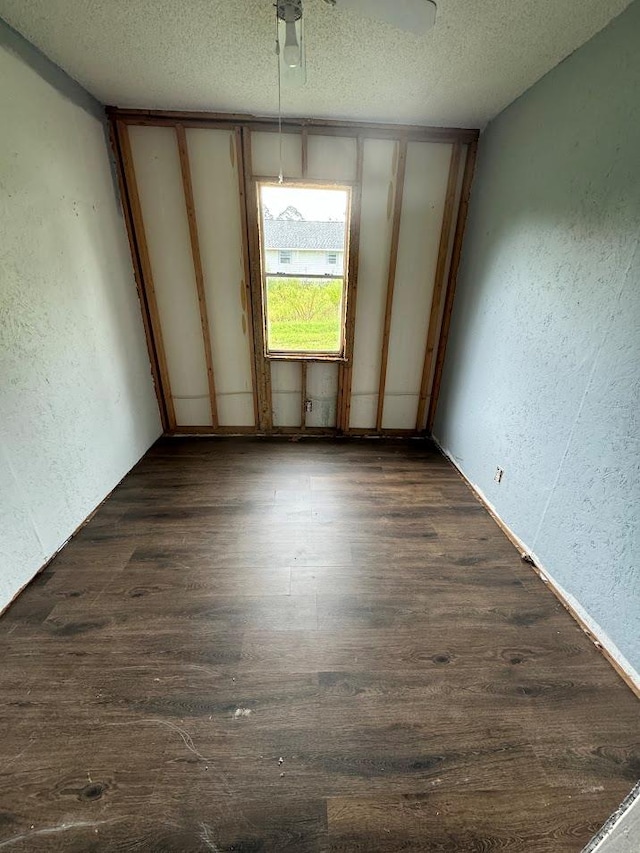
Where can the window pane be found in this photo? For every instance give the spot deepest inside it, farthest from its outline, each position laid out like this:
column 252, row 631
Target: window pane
column 303, row 245
column 304, row 315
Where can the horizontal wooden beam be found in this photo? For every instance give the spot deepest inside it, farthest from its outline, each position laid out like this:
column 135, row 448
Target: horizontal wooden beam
column 290, row 432
column 209, row 430
column 317, row 183
column 326, row 127
column 359, row 432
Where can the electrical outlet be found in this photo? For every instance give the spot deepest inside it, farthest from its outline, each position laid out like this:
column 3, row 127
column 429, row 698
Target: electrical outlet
column 308, row 406
column 498, row 475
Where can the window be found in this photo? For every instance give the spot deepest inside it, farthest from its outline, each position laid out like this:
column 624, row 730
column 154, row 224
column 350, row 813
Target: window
column 303, row 232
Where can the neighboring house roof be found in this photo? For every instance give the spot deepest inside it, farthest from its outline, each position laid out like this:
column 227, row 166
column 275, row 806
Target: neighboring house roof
column 291, row 234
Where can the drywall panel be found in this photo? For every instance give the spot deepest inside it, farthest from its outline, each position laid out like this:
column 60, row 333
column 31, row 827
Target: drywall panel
column 214, row 173
column 159, row 180
column 192, row 411
column 77, row 407
column 286, row 389
column 541, row 374
column 322, row 390
column 265, row 154
column 425, row 187
column 332, row 158
column 364, row 409
column 375, row 242
column 400, row 410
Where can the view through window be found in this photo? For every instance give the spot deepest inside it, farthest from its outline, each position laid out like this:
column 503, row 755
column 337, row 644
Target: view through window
column 304, row 248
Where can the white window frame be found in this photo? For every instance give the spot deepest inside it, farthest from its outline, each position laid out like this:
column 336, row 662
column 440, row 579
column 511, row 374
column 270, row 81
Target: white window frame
column 305, row 355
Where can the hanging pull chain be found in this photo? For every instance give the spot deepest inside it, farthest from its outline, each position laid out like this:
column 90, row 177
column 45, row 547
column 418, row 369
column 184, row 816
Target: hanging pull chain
column 281, row 171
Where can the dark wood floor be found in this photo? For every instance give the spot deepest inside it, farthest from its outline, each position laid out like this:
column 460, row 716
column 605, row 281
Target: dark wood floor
column 313, row 646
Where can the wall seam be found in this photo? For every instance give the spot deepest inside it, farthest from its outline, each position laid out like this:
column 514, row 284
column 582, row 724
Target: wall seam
column 596, row 359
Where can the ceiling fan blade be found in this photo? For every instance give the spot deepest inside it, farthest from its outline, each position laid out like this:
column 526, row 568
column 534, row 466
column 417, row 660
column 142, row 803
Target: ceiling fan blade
column 414, row 16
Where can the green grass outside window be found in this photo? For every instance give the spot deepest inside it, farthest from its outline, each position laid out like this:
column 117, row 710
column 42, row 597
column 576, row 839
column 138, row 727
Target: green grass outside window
column 304, row 315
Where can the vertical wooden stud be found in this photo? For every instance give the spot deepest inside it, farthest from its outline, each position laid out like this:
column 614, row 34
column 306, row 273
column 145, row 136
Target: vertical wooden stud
column 345, row 371
column 137, row 271
column 187, row 186
column 461, row 222
column 441, row 269
column 303, row 394
column 391, row 280
column 262, row 367
column 142, row 252
column 242, row 197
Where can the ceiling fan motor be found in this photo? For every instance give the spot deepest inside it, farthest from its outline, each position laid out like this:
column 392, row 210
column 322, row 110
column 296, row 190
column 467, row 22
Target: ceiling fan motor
column 289, row 11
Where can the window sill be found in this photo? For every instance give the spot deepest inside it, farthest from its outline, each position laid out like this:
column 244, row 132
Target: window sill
column 303, row 356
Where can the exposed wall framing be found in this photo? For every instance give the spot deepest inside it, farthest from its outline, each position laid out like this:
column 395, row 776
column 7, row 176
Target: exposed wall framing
column 246, row 262
column 344, row 370
column 156, row 346
column 303, row 395
column 461, row 222
column 187, row 186
column 115, row 134
column 441, row 269
column 262, row 371
column 401, row 162
column 333, row 378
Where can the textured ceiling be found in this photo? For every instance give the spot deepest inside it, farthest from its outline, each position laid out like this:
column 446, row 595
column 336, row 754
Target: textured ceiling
column 218, row 55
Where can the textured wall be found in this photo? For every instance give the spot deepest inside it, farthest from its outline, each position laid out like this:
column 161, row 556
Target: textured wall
column 542, row 374
column 77, row 407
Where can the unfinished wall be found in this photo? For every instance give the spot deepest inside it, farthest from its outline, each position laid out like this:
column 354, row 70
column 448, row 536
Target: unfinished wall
column 542, row 374
column 77, row 407
column 403, row 250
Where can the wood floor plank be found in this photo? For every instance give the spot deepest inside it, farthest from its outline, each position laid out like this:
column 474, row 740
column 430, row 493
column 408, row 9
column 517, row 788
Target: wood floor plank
column 546, row 821
column 324, row 645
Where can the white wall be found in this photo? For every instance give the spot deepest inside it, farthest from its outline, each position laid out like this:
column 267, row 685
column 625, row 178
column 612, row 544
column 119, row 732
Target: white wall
column 77, row 407
column 542, row 374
